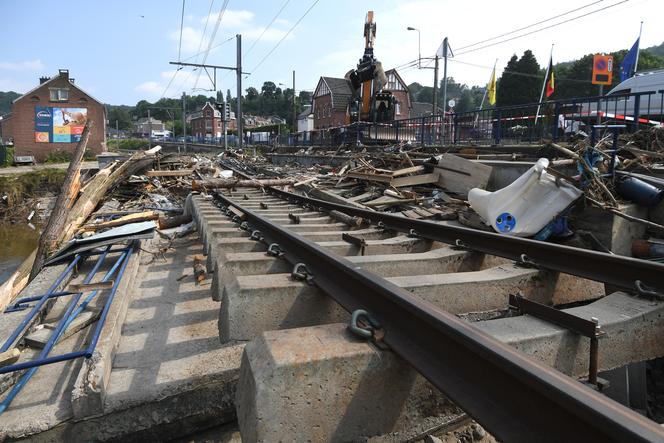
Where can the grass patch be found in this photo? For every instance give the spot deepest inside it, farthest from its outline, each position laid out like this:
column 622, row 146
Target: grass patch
column 19, row 187
column 8, row 151
column 58, row 157
column 131, row 144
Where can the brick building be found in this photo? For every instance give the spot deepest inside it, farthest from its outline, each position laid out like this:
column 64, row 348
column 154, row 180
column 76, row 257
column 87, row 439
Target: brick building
column 332, row 95
column 51, row 118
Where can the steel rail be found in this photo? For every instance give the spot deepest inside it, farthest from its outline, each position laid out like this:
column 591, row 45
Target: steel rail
column 516, row 398
column 625, row 273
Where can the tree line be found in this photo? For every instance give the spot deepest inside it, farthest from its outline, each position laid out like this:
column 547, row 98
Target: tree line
column 522, row 78
column 269, row 101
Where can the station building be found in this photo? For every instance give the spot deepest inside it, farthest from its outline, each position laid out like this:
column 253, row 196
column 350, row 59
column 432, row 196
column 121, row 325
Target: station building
column 51, row 118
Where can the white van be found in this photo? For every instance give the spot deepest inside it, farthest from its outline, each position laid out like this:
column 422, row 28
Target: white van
column 622, row 108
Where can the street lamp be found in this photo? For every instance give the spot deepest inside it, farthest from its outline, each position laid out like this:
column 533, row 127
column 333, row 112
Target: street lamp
column 419, row 46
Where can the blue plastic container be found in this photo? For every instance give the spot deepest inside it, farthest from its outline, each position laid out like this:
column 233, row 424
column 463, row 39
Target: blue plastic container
column 638, row 191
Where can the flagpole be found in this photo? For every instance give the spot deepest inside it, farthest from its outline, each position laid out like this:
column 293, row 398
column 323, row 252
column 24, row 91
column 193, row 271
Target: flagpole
column 636, row 63
column 488, row 85
column 487, row 88
column 546, row 76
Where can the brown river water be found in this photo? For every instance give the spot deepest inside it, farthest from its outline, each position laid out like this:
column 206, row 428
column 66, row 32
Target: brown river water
column 17, row 241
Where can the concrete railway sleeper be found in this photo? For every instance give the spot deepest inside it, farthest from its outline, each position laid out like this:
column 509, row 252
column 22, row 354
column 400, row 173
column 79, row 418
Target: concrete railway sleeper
column 413, row 286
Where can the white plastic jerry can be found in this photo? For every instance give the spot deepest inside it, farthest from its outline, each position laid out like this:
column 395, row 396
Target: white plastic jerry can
column 527, row 205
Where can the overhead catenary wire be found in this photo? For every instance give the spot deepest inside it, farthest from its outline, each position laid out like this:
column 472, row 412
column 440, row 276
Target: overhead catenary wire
column 522, row 74
column 544, row 28
column 284, row 37
column 200, row 44
column 531, row 25
column 266, row 28
column 212, row 37
column 181, row 28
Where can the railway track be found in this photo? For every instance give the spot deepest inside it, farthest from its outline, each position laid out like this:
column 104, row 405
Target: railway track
column 286, row 261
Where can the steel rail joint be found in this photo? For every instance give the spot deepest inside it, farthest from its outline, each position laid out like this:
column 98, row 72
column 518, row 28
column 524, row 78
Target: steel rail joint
column 619, row 271
column 512, row 395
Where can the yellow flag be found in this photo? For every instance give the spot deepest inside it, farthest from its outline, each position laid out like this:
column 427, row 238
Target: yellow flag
column 491, row 90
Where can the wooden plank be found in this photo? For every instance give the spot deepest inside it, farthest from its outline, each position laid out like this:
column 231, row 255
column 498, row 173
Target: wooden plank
column 363, row 196
column 411, row 214
column 9, row 356
column 459, row 175
column 169, row 173
column 411, row 170
column 131, row 218
column 423, row 212
column 91, row 286
column 305, row 182
column 412, row 180
column 237, row 212
column 383, row 178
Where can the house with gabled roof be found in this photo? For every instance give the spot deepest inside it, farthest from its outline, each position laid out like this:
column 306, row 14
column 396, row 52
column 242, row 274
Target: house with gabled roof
column 332, row 96
column 51, row 117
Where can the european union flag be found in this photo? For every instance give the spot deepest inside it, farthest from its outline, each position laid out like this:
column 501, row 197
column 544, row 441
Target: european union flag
column 628, row 66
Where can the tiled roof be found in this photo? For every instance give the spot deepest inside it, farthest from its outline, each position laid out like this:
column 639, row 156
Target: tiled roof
column 340, row 90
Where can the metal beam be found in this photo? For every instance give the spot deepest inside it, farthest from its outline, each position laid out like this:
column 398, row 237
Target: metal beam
column 512, row 395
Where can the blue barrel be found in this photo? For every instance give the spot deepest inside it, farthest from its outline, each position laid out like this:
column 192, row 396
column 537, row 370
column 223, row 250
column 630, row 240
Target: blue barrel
column 638, row 191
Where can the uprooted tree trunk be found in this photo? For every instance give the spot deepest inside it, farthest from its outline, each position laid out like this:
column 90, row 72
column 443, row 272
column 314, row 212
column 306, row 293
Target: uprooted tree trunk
column 217, row 183
column 71, row 219
column 48, row 241
column 95, row 190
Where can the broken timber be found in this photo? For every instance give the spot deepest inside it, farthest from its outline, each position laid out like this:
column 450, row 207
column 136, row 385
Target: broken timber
column 219, row 183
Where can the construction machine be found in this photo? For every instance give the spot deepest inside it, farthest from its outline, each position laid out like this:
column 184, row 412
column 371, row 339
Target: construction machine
column 369, row 101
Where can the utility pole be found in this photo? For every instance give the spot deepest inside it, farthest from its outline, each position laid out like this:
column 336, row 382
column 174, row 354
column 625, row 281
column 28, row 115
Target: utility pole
column 435, row 89
column 238, row 71
column 117, row 132
column 294, row 107
column 213, row 79
column 184, row 121
column 150, row 130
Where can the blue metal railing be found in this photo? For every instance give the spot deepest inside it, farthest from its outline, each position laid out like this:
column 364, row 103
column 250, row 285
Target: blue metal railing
column 72, row 311
column 528, row 123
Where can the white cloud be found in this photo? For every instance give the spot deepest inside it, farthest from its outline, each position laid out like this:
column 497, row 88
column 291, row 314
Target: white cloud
column 271, row 35
column 151, row 88
column 30, row 65
column 182, row 80
column 191, row 39
column 10, row 84
column 232, row 18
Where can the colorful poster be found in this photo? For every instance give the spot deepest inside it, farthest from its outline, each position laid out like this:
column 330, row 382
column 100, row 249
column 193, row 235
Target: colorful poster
column 59, row 125
column 43, row 124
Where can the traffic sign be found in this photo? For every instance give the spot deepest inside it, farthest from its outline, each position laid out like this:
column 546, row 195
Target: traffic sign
column 602, row 69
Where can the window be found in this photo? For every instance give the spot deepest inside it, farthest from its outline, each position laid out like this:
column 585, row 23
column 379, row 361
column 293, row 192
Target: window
column 59, row 95
column 398, row 108
column 208, row 124
column 621, row 91
column 34, row 98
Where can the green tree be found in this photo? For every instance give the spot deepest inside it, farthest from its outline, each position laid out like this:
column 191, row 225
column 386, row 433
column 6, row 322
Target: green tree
column 121, row 115
column 521, row 81
column 466, row 101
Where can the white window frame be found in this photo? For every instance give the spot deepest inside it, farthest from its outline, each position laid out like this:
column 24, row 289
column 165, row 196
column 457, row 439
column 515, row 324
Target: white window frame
column 59, row 94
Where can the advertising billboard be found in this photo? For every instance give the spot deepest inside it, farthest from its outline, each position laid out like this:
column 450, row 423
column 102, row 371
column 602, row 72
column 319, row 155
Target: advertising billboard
column 59, row 125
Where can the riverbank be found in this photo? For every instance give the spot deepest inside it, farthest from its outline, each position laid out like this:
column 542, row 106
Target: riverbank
column 18, row 240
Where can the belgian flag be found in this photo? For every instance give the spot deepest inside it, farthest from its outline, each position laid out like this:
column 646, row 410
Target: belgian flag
column 550, row 81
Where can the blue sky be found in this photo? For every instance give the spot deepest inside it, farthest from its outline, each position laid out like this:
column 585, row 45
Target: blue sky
column 119, row 51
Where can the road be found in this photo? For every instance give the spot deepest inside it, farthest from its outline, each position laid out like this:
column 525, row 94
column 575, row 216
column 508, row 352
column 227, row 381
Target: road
column 31, row 168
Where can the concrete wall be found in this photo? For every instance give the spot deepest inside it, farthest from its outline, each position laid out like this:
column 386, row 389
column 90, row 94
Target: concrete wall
column 21, row 124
